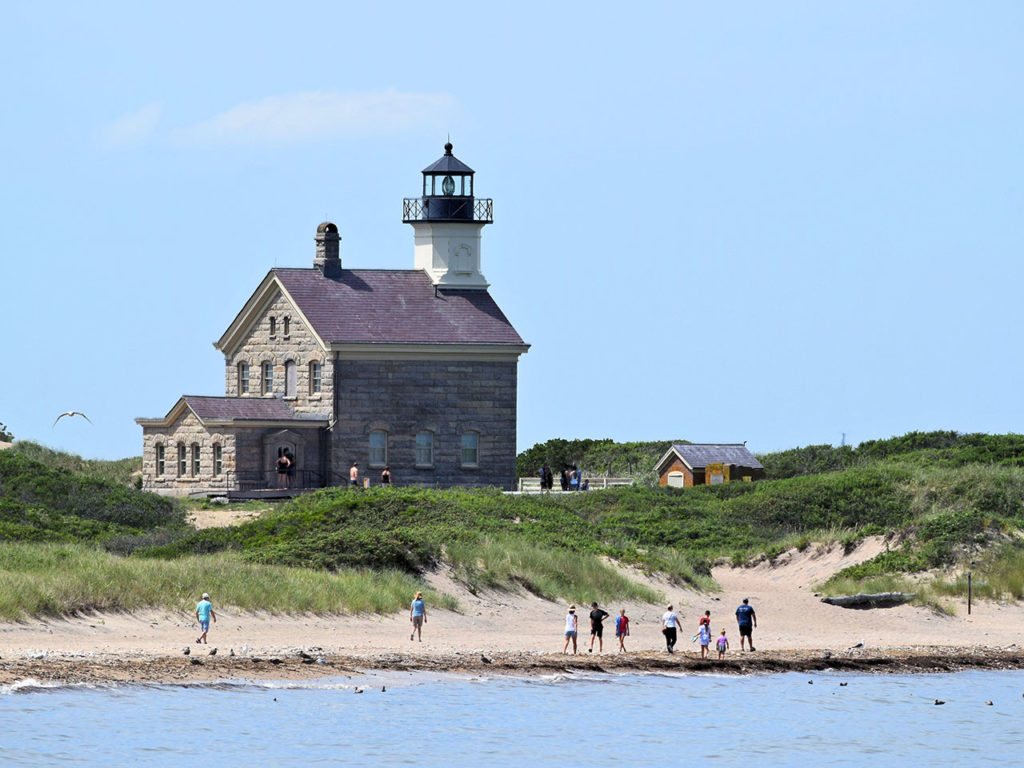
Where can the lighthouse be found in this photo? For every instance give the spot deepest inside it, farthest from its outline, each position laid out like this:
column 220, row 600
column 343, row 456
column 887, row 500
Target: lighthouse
column 447, row 221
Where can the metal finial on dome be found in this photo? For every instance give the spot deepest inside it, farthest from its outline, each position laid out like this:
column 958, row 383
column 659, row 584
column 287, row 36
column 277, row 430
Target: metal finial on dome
column 448, row 148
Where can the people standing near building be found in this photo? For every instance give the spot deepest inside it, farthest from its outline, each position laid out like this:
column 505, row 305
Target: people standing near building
column 204, row 610
column 549, row 478
column 571, row 629
column 622, row 629
column 746, row 620
column 282, row 470
column 353, row 475
column 723, row 644
column 385, row 476
column 418, row 616
column 574, row 479
column 669, row 624
column 597, row 617
column 290, row 482
column 565, row 478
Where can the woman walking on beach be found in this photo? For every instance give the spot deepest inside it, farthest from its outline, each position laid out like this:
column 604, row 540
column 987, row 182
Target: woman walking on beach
column 622, row 629
column 571, row 628
column 418, row 616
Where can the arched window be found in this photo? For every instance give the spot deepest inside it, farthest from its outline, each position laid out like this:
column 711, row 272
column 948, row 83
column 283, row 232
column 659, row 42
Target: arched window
column 273, row 327
column 160, row 465
column 243, row 378
column 218, row 460
column 195, row 460
column 470, row 449
column 268, row 378
column 378, row 448
column 424, row 449
column 289, row 378
column 286, row 326
column 182, row 460
column 315, row 377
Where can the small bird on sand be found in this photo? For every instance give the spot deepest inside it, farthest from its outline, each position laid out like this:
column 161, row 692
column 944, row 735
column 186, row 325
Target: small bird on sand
column 187, row 651
column 71, row 413
column 484, row 659
column 213, row 651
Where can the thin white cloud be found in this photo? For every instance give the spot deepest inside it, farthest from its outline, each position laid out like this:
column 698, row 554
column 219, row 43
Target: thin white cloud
column 132, row 129
column 317, row 115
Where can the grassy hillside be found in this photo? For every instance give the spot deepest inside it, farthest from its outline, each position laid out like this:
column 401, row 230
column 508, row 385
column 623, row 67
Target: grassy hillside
column 939, row 499
column 604, row 458
column 121, row 471
column 38, row 503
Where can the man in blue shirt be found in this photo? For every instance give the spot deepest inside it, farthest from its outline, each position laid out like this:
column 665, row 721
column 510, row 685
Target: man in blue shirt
column 746, row 619
column 204, row 610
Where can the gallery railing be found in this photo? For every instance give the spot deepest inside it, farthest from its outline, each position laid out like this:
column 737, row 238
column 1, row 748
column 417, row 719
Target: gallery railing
column 271, row 479
column 448, row 209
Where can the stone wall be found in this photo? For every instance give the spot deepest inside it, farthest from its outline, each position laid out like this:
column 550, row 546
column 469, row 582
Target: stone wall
column 442, row 397
column 186, row 431
column 299, row 345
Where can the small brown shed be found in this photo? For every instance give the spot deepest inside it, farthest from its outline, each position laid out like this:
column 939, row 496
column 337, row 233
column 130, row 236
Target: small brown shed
column 686, row 464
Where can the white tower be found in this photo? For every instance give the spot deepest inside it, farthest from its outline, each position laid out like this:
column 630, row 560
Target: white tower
column 447, row 221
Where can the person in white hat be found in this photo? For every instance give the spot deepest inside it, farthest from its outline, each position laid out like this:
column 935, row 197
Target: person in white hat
column 204, row 610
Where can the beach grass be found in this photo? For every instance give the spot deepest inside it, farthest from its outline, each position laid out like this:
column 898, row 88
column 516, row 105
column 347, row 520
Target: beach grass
column 490, row 562
column 67, row 579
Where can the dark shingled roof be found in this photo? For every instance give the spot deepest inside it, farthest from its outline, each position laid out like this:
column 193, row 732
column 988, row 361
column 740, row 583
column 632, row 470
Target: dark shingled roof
column 396, row 306
column 698, row 456
column 243, row 409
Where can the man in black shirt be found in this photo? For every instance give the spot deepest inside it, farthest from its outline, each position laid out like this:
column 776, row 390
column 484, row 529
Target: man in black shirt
column 597, row 616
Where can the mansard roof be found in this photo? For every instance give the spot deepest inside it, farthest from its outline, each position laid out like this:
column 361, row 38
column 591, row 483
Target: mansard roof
column 233, row 410
column 699, row 455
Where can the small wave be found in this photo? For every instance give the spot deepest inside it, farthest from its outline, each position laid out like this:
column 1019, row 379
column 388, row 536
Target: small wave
column 31, row 685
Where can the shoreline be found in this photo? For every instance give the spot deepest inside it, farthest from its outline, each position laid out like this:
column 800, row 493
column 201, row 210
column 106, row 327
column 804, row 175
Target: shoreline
column 295, row 665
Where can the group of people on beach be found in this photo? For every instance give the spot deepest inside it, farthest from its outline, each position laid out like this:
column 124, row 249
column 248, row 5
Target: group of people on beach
column 746, row 620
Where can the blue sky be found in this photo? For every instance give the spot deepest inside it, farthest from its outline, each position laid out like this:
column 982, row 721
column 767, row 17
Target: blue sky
column 773, row 222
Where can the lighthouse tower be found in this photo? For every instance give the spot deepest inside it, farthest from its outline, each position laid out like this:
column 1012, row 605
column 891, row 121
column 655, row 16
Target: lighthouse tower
column 447, row 221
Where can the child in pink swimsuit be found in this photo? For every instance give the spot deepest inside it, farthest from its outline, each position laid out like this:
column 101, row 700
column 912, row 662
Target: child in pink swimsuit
column 723, row 645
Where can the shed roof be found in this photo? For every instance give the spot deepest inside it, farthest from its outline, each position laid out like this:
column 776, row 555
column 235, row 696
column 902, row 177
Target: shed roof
column 699, row 455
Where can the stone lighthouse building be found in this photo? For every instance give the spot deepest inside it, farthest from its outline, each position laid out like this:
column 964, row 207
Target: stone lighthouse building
column 411, row 369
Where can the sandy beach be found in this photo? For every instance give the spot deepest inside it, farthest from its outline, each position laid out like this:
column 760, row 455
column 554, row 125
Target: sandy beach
column 520, row 633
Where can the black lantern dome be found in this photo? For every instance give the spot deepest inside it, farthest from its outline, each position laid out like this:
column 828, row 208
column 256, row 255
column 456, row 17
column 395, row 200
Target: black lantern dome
column 448, row 194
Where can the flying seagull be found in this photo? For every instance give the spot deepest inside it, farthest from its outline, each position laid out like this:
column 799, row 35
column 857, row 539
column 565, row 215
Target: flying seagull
column 72, row 413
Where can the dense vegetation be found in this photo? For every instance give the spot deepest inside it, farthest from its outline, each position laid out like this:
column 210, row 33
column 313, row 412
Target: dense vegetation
column 939, row 498
column 38, row 503
column 122, row 471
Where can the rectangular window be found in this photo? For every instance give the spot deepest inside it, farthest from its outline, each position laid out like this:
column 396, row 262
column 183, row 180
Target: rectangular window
column 160, row 466
column 268, row 378
column 273, row 327
column 195, row 460
column 218, row 459
column 243, row 378
column 378, row 448
column 182, row 460
column 315, row 378
column 285, row 326
column 424, row 449
column 470, row 449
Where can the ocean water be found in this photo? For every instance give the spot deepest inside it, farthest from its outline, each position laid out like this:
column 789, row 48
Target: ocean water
column 563, row 720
